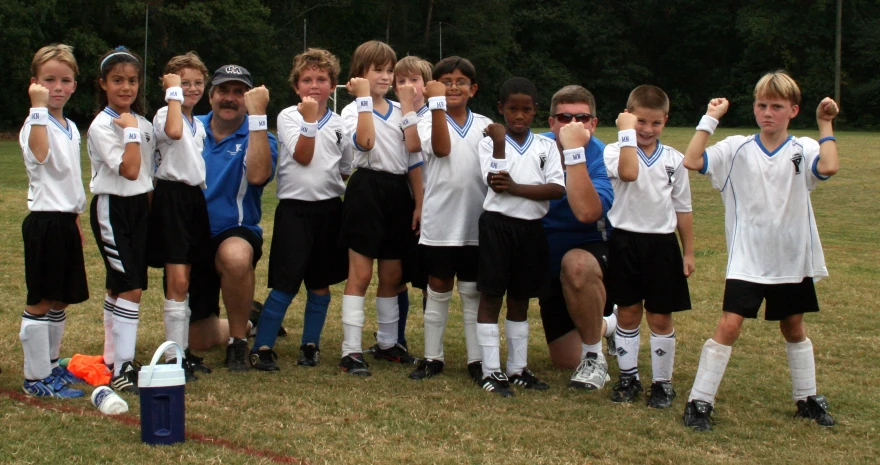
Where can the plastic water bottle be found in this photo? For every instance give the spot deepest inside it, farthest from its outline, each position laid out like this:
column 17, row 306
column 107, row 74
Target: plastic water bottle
column 108, row 402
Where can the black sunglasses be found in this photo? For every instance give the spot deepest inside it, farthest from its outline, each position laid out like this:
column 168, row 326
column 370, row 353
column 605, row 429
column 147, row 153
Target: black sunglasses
column 567, row 117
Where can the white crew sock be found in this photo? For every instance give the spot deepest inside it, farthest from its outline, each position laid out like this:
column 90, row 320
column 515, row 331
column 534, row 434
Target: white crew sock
column 489, row 339
column 352, row 324
column 470, row 304
column 628, row 341
column 436, row 314
column 802, row 364
column 610, row 323
column 517, row 346
column 57, row 323
column 387, row 316
column 592, row 349
column 34, row 337
column 176, row 325
column 662, row 356
column 109, row 346
column 125, row 325
column 713, row 362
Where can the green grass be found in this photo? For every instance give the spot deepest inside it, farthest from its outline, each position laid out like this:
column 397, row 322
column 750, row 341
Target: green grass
column 321, row 415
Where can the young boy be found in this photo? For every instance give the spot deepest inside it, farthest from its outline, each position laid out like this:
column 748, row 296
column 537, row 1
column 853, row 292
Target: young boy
column 55, row 272
column 314, row 162
column 652, row 198
column 454, row 196
column 773, row 246
column 524, row 173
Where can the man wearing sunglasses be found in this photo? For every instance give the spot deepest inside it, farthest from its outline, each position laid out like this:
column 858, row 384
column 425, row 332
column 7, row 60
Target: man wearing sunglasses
column 577, row 227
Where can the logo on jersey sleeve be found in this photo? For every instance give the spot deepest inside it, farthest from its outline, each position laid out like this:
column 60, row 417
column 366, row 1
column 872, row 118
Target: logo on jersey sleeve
column 543, row 161
column 796, row 159
column 670, row 170
column 338, row 137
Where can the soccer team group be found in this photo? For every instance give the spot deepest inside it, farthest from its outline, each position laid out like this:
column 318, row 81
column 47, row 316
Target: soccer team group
column 432, row 192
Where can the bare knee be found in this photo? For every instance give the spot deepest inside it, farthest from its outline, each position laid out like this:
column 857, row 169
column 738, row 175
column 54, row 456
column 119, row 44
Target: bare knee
column 205, row 334
column 234, row 258
column 728, row 329
column 793, row 329
column 580, row 270
column 629, row 317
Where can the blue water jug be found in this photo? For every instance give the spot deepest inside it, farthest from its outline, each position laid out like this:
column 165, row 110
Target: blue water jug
column 163, row 419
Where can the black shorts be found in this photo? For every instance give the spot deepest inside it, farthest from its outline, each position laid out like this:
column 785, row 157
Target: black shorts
column 449, row 262
column 649, row 268
column 555, row 318
column 744, row 298
column 54, row 268
column 413, row 268
column 180, row 231
column 513, row 256
column 120, row 226
column 204, row 288
column 305, row 246
column 377, row 217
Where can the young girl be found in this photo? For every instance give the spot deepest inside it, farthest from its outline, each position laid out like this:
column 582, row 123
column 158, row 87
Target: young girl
column 121, row 145
column 53, row 259
column 524, row 173
column 180, row 234
column 379, row 215
column 314, row 162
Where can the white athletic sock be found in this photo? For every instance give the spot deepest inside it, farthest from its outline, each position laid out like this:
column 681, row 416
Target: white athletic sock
column 662, row 356
column 517, row 346
column 628, row 341
column 436, row 314
column 34, row 337
column 594, row 349
column 387, row 317
column 610, row 324
column 176, row 325
column 803, row 369
column 352, row 324
column 713, row 362
column 188, row 315
column 489, row 339
column 470, row 304
column 57, row 322
column 109, row 346
column 125, row 325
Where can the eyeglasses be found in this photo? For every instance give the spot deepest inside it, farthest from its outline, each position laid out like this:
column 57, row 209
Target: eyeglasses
column 459, row 84
column 579, row 117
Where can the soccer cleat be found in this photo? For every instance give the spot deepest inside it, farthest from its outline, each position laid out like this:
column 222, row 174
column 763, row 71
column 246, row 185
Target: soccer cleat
column 427, row 369
column 626, row 389
column 189, row 372
column 309, row 355
column 264, row 359
column 53, row 386
column 661, row 395
column 528, row 380
column 698, row 415
column 475, row 370
column 195, row 362
column 498, row 383
column 127, row 381
column 254, row 318
column 66, row 376
column 815, row 408
column 396, row 353
column 591, row 374
column 236, row 356
column 354, row 364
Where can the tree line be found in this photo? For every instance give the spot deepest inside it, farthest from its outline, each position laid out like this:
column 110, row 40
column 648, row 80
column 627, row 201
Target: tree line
column 693, row 49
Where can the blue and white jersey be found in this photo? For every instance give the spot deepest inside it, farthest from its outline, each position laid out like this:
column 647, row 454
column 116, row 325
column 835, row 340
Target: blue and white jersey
column 768, row 217
column 389, row 150
column 105, row 153
column 232, row 201
column 55, row 184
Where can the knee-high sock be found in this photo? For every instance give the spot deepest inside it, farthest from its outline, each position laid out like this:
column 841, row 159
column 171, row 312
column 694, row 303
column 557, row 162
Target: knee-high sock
column 57, row 323
column 314, row 318
column 470, row 304
column 436, row 314
column 517, row 346
column 109, row 346
column 662, row 356
column 352, row 324
column 490, row 346
column 125, row 325
column 271, row 317
column 628, row 341
column 388, row 316
column 713, row 362
column 802, row 364
column 34, row 337
column 403, row 310
column 176, row 325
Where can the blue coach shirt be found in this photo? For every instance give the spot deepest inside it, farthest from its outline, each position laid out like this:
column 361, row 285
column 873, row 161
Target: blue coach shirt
column 231, row 200
column 564, row 231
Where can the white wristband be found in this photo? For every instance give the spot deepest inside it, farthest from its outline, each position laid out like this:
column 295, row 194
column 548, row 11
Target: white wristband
column 708, row 124
column 575, row 156
column 437, row 103
column 309, row 129
column 409, row 119
column 364, row 104
column 39, row 116
column 131, row 135
column 258, row 123
column 174, row 93
column 497, row 165
column 626, row 138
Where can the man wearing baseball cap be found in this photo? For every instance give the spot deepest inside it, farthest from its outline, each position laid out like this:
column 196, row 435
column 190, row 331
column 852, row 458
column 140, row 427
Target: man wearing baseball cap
column 240, row 156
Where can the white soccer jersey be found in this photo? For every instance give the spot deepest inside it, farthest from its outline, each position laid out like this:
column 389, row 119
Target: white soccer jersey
column 389, row 151
column 180, row 160
column 55, row 185
column 534, row 162
column 768, row 218
column 105, row 152
column 649, row 204
column 322, row 178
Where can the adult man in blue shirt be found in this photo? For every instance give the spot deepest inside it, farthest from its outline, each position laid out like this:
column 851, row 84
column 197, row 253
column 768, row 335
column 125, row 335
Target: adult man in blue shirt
column 240, row 157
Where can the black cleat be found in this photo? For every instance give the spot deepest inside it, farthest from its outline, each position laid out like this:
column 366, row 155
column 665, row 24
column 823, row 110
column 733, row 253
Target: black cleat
column 309, row 355
column 528, row 380
column 427, row 369
column 197, row 363
column 626, row 389
column 354, row 364
column 396, row 353
column 498, row 383
column 236, row 356
column 815, row 408
column 127, row 381
column 698, row 415
column 475, row 370
column 188, row 371
column 661, row 395
column 264, row 359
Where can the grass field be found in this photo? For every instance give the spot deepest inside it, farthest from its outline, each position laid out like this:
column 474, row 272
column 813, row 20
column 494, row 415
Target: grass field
column 321, row 415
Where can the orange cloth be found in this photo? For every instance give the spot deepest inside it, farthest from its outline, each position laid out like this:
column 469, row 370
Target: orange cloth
column 91, row 368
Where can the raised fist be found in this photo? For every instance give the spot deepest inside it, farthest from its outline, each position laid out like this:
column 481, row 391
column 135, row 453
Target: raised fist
column 359, row 87
column 626, row 120
column 496, row 132
column 39, row 96
column 170, row 80
column 826, row 111
column 717, row 107
column 406, row 93
column 126, row 120
column 434, row 89
column 573, row 135
column 308, row 108
column 256, row 100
